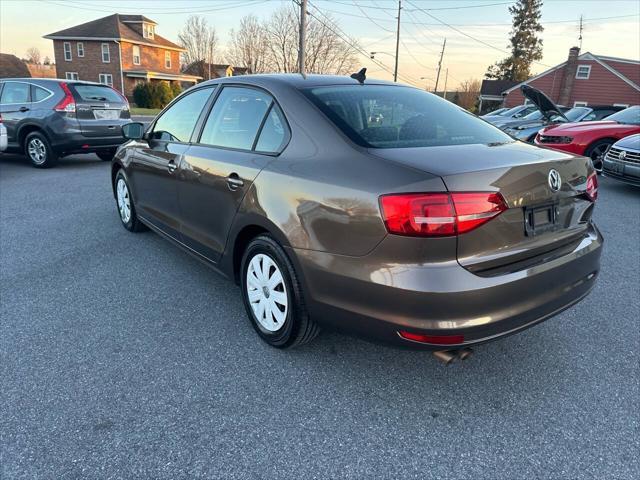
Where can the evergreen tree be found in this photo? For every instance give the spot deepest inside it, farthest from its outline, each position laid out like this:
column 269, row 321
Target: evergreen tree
column 526, row 47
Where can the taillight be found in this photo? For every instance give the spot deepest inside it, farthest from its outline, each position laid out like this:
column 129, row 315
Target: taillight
column 67, row 104
column 439, row 214
column 592, row 187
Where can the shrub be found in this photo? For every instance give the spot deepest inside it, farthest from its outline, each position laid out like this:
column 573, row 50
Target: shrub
column 141, row 95
column 176, row 89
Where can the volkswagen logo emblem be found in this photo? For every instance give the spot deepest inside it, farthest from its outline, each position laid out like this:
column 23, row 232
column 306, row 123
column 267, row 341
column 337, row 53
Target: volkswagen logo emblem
column 554, row 180
column 622, row 155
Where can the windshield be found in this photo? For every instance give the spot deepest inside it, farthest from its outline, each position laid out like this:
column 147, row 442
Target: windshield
column 386, row 116
column 572, row 115
column 499, row 111
column 628, row 115
column 511, row 111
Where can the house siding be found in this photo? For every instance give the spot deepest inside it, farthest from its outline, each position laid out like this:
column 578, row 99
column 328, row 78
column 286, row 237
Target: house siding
column 601, row 88
column 91, row 65
column 151, row 58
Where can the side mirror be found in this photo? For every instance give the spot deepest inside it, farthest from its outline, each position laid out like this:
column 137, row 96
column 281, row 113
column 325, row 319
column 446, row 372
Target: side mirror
column 133, row 131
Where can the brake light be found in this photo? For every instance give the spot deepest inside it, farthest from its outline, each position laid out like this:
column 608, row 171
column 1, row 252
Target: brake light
column 67, row 104
column 439, row 214
column 592, row 187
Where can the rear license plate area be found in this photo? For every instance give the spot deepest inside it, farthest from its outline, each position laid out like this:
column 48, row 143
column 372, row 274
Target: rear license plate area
column 540, row 219
column 106, row 114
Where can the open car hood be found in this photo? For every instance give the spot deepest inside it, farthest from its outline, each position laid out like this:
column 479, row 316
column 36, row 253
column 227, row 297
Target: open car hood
column 540, row 100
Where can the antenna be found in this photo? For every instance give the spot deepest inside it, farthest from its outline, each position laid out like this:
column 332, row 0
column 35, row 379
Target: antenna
column 580, row 37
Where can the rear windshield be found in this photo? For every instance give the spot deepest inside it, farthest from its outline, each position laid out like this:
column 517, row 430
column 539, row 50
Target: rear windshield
column 385, row 116
column 97, row 93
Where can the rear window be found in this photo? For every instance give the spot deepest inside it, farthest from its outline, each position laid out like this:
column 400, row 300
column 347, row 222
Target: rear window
column 385, row 116
column 97, row 93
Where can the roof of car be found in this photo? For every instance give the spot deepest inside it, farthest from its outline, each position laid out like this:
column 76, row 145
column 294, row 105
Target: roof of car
column 52, row 80
column 296, row 80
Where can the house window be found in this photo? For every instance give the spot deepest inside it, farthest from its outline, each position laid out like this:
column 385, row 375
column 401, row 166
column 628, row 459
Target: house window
column 80, row 49
column 167, row 59
column 579, row 104
column 106, row 79
column 147, row 30
column 106, row 55
column 71, row 75
column 136, row 55
column 583, row 72
column 67, row 51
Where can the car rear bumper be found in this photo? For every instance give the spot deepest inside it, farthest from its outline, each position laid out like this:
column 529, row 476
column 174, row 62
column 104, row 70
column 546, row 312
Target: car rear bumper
column 78, row 143
column 377, row 298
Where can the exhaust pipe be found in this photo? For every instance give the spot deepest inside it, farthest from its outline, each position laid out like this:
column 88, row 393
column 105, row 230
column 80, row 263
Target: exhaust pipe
column 464, row 353
column 445, row 356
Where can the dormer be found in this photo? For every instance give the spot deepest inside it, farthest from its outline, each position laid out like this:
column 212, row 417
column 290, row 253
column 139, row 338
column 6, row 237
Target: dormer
column 142, row 25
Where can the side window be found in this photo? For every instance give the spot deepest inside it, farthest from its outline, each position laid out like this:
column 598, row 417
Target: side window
column 274, row 132
column 235, row 118
column 177, row 123
column 38, row 94
column 15, row 92
column 600, row 114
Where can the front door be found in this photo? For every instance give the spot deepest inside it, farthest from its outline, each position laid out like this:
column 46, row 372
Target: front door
column 154, row 169
column 243, row 132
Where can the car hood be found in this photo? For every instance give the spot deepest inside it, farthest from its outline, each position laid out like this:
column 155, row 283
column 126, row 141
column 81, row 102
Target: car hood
column 631, row 142
column 540, row 100
column 583, row 127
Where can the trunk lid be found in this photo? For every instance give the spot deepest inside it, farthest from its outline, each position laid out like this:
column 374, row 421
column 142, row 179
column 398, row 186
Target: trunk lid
column 520, row 172
column 100, row 110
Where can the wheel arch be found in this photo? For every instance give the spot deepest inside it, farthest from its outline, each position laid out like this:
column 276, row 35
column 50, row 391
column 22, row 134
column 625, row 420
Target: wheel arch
column 593, row 142
column 28, row 128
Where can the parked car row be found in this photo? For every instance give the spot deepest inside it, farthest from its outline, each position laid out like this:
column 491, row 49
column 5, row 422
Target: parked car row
column 48, row 118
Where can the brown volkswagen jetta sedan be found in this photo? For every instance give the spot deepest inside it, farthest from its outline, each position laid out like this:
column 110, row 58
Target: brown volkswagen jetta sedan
column 373, row 207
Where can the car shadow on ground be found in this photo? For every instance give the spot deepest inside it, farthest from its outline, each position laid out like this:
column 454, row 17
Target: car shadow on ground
column 88, row 159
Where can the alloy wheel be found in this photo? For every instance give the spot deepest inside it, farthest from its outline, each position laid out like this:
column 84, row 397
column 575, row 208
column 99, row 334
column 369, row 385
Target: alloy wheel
column 267, row 292
column 124, row 200
column 37, row 151
column 597, row 156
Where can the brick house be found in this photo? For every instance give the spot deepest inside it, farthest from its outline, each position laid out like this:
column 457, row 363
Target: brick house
column 585, row 79
column 118, row 50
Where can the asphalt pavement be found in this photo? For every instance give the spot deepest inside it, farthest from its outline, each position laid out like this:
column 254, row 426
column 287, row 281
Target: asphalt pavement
column 123, row 357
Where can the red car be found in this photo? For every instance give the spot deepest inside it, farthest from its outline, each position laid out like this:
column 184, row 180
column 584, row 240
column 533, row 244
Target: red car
column 591, row 139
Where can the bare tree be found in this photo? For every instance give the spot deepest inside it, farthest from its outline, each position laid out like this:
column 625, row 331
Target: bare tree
column 199, row 39
column 327, row 51
column 33, row 55
column 468, row 92
column 248, row 46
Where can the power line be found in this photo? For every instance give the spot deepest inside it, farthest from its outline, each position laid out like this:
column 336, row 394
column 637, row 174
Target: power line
column 469, row 36
column 459, row 7
column 108, row 9
column 371, row 19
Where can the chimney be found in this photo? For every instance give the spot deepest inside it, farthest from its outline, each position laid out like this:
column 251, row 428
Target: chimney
column 568, row 76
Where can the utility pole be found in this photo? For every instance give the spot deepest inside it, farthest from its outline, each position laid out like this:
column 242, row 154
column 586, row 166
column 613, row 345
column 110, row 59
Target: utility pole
column 446, row 78
column 444, row 44
column 395, row 70
column 580, row 37
column 302, row 35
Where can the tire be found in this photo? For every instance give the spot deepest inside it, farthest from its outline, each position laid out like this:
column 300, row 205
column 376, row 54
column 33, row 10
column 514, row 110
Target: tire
column 38, row 149
column 106, row 155
column 293, row 326
column 125, row 206
column 596, row 152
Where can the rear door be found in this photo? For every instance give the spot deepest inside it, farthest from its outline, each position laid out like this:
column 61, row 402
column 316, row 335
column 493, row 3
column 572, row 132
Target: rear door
column 100, row 110
column 15, row 105
column 153, row 172
column 244, row 130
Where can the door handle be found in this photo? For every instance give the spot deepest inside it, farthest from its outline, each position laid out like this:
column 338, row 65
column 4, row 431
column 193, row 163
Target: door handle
column 171, row 167
column 23, row 109
column 234, row 181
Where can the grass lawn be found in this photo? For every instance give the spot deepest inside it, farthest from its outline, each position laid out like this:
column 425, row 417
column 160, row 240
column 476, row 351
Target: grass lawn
column 144, row 111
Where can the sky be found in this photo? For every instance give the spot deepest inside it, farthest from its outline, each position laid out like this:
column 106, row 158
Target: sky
column 476, row 31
